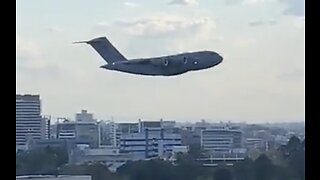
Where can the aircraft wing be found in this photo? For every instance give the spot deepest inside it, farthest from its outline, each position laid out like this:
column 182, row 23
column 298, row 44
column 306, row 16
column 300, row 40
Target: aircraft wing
column 138, row 61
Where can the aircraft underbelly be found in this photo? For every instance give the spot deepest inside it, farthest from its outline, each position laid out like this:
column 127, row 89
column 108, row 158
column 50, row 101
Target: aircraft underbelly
column 152, row 70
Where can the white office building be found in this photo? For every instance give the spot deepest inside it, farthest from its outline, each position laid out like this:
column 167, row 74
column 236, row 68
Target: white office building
column 150, row 144
column 221, row 140
column 29, row 123
column 118, row 133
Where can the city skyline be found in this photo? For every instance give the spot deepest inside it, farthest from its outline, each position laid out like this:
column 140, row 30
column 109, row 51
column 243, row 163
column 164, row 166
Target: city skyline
column 260, row 80
column 123, row 119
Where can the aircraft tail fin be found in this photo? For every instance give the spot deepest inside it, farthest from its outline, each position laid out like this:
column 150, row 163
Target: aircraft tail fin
column 106, row 50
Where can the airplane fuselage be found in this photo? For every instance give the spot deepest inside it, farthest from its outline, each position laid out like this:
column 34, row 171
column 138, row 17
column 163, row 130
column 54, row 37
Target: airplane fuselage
column 167, row 65
column 157, row 66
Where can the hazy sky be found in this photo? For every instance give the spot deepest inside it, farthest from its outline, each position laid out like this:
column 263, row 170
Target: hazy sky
column 261, row 77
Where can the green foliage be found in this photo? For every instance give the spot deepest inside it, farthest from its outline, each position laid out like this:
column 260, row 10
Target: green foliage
column 185, row 159
column 97, row 171
column 243, row 170
column 189, row 169
column 283, row 173
column 297, row 163
column 303, row 144
column 186, row 169
column 263, row 168
column 41, row 161
column 152, row 169
column 51, row 160
column 195, row 150
column 294, row 153
column 204, row 178
column 293, row 145
column 223, row 174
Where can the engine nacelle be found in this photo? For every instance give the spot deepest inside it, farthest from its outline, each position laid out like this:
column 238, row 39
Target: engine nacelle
column 178, row 62
column 185, row 60
column 165, row 61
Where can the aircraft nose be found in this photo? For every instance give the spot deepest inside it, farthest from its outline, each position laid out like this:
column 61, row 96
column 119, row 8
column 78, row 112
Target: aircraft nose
column 219, row 58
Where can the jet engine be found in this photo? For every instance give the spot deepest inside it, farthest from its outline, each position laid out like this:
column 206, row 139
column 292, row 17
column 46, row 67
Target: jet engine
column 165, row 61
column 185, row 60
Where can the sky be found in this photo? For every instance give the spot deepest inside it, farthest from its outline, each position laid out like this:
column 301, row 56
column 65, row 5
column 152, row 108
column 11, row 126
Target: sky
column 260, row 80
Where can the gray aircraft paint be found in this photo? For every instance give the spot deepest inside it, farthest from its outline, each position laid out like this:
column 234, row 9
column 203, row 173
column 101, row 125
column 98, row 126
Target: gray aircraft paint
column 156, row 66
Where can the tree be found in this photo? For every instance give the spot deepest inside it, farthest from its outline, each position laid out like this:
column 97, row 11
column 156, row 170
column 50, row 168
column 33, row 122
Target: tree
column 189, row 171
column 97, row 171
column 263, row 168
column 295, row 155
column 243, row 170
column 152, row 169
column 41, row 161
column 303, row 145
column 297, row 163
column 204, row 178
column 282, row 173
column 100, row 172
column 184, row 159
column 223, row 174
column 195, row 150
column 293, row 144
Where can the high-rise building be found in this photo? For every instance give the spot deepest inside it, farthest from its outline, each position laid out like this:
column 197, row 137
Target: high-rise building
column 84, row 116
column 29, row 123
column 108, row 133
column 47, row 121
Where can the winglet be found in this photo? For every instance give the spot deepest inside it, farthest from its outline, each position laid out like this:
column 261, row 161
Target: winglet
column 78, row 42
